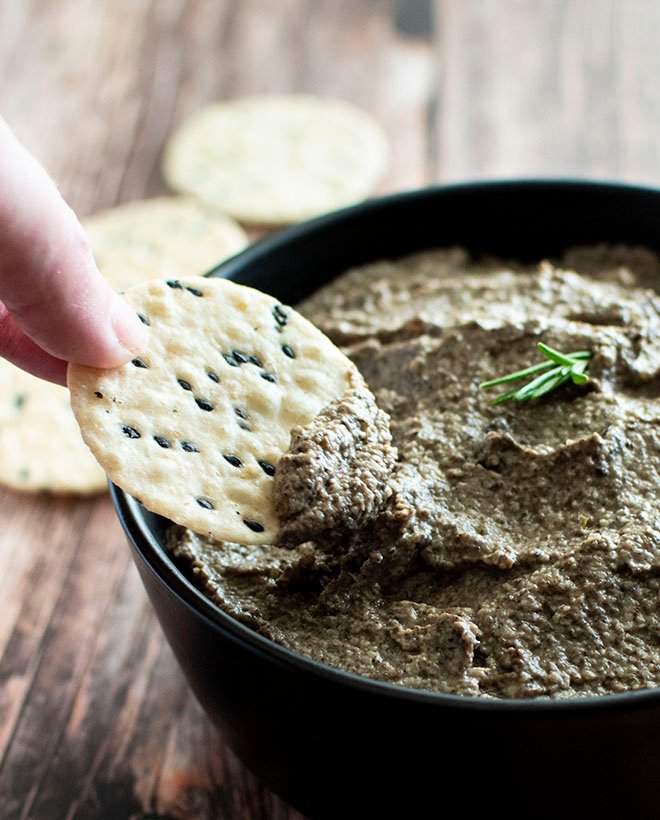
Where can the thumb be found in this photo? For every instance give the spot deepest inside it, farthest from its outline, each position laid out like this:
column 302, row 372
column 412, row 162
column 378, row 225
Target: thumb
column 49, row 284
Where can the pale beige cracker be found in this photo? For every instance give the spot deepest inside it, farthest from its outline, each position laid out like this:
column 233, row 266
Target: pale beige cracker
column 277, row 159
column 162, row 237
column 40, row 443
column 194, row 427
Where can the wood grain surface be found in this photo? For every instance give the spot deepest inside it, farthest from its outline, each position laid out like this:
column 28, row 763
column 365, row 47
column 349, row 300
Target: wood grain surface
column 96, row 720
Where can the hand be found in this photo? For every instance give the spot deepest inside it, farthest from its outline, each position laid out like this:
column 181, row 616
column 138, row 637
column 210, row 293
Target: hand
column 55, row 307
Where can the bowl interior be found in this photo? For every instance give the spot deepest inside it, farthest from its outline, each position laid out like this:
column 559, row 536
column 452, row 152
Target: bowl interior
column 524, row 220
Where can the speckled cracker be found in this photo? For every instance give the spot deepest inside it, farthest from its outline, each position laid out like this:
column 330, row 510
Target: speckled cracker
column 277, row 159
column 40, row 443
column 161, row 238
column 196, row 425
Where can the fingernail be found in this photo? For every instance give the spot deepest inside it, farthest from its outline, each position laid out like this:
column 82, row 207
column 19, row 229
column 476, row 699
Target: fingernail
column 128, row 328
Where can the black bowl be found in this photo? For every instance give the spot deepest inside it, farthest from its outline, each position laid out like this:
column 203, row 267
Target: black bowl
column 337, row 745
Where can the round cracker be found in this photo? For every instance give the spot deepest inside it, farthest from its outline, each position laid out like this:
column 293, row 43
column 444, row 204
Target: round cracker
column 195, row 426
column 277, row 159
column 161, row 238
column 40, row 443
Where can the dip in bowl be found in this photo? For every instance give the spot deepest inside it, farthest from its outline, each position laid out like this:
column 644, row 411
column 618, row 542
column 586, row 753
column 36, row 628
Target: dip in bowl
column 334, row 743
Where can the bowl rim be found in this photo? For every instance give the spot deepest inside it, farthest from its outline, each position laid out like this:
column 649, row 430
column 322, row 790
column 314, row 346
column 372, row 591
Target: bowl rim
column 155, row 557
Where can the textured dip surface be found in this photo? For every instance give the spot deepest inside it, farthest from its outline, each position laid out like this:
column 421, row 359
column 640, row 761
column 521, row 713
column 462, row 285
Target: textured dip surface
column 515, row 551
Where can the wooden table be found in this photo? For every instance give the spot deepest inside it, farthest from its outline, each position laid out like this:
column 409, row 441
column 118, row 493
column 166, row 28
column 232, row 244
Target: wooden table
column 96, row 720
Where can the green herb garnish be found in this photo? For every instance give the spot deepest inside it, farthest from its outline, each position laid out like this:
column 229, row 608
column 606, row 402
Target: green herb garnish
column 561, row 368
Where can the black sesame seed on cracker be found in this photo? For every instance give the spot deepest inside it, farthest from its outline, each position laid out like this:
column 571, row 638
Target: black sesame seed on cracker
column 267, row 467
column 280, row 315
column 233, row 460
column 240, row 357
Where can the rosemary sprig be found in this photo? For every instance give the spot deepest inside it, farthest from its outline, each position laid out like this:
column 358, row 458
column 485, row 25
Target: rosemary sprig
column 567, row 367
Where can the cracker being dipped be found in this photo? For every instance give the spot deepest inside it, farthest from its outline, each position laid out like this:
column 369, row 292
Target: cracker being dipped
column 195, row 425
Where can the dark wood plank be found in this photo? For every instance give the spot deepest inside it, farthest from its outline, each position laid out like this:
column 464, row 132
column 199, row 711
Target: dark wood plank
column 549, row 88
